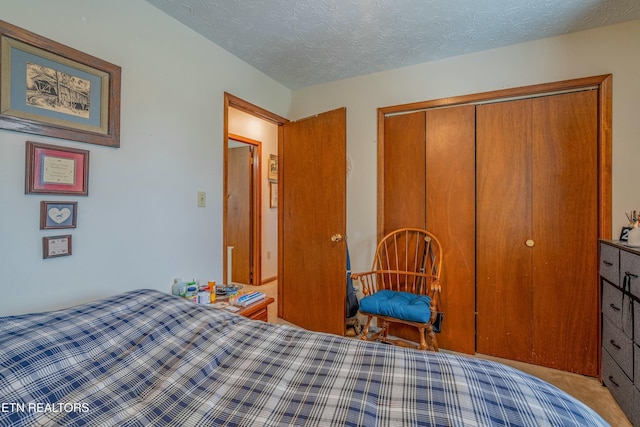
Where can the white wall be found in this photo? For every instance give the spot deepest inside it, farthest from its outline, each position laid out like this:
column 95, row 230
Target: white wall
column 612, row 49
column 243, row 124
column 139, row 227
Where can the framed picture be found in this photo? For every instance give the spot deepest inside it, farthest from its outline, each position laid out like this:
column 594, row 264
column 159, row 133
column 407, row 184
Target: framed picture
column 273, row 167
column 56, row 170
column 50, row 89
column 56, row 246
column 58, row 215
column 273, row 194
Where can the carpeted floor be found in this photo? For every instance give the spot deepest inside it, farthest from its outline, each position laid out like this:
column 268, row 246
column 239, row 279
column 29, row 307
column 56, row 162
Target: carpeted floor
column 586, row 389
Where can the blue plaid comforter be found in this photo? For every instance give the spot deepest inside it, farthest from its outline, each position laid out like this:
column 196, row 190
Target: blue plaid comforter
column 145, row 358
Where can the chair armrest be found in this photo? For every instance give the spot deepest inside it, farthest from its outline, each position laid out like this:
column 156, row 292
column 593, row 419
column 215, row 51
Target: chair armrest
column 395, row 280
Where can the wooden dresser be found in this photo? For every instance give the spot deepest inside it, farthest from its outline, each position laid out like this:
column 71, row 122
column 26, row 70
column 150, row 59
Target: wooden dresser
column 258, row 310
column 620, row 281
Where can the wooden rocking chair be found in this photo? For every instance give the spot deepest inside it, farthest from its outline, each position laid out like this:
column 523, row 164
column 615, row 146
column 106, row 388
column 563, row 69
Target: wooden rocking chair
column 403, row 286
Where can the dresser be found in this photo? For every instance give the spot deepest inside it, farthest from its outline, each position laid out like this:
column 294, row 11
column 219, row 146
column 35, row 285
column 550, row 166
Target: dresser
column 620, row 281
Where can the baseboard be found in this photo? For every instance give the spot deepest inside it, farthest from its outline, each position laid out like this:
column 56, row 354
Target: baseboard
column 269, row 280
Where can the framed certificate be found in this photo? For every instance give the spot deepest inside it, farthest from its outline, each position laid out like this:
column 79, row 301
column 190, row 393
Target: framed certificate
column 56, row 170
column 56, row 246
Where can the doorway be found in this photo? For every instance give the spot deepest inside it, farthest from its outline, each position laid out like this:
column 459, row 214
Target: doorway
column 249, row 220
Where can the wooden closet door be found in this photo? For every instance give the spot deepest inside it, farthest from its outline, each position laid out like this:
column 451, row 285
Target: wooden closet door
column 565, row 228
column 537, row 287
column 450, row 205
column 503, row 212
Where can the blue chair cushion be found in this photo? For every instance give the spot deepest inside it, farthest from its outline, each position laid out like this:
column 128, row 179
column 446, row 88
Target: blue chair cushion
column 400, row 305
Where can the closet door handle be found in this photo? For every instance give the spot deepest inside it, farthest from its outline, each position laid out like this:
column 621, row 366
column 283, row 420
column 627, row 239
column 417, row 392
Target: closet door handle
column 605, row 262
column 613, row 343
column 615, row 307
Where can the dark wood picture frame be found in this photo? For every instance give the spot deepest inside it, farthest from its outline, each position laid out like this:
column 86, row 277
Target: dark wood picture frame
column 55, row 215
column 51, row 169
column 53, row 90
column 56, row 246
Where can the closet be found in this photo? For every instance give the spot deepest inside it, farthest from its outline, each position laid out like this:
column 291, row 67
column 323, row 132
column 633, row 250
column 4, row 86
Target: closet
column 516, row 185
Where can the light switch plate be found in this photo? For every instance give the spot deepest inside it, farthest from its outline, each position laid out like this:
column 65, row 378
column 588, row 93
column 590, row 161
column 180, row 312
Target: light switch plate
column 202, row 199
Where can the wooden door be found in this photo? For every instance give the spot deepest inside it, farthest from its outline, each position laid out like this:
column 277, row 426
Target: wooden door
column 312, row 209
column 565, row 227
column 429, row 182
column 503, row 212
column 537, row 288
column 239, row 221
column 450, row 216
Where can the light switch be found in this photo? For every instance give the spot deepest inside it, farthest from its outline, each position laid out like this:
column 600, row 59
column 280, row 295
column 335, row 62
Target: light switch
column 202, row 199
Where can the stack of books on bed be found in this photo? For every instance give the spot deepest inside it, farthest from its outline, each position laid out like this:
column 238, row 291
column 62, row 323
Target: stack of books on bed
column 245, row 299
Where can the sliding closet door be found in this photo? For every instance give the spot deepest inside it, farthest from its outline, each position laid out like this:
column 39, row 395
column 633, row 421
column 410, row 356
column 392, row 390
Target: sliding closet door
column 537, row 228
column 565, row 225
column 450, row 202
column 503, row 210
column 428, row 179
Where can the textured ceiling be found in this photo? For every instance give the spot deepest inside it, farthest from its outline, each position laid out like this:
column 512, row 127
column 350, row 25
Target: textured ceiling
column 305, row 42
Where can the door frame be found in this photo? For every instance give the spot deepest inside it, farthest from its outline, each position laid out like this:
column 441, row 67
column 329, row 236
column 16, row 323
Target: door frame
column 256, row 206
column 246, row 107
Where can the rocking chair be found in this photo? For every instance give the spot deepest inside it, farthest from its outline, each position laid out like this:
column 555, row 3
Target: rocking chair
column 403, row 286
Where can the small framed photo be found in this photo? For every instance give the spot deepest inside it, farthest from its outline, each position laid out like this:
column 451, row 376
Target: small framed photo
column 624, row 234
column 273, row 167
column 51, row 169
column 273, row 194
column 58, row 215
column 56, row 246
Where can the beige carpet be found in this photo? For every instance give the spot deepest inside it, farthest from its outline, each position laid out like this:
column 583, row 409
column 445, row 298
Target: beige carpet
column 586, row 389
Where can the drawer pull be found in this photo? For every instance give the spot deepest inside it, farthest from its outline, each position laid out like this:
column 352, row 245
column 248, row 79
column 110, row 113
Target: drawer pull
column 614, row 307
column 613, row 381
column 613, row 343
column 607, row 263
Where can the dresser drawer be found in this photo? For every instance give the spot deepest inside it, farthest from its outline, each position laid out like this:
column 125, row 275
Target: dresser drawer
column 618, row 384
column 618, row 345
column 609, row 263
column 630, row 266
column 618, row 308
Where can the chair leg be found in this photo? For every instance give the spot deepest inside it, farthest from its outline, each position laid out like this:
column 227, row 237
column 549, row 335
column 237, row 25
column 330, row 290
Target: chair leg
column 423, row 339
column 365, row 331
column 433, row 342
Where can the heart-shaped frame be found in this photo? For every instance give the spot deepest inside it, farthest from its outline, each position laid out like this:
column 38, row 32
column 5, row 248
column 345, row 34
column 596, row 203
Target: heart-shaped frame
column 55, row 215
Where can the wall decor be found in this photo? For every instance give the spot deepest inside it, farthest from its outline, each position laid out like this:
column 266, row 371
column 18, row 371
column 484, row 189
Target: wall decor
column 58, row 215
column 273, row 167
column 56, row 246
column 50, row 89
column 56, row 170
column 273, row 194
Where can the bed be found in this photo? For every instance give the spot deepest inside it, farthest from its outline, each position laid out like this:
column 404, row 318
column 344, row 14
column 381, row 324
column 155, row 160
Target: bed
column 145, row 358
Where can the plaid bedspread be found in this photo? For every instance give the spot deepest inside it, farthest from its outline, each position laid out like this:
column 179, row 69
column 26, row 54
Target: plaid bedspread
column 145, row 358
